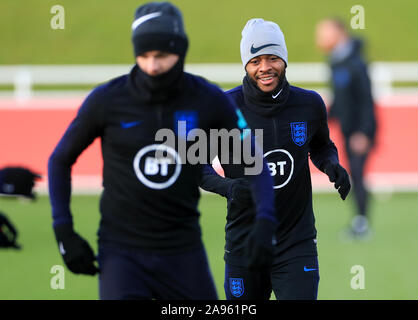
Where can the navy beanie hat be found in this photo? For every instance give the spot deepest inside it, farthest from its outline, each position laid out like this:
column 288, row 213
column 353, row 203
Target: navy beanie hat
column 159, row 26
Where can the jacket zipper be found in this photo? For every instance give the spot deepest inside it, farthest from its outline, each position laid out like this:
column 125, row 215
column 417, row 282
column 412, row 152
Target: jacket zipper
column 159, row 116
column 275, row 129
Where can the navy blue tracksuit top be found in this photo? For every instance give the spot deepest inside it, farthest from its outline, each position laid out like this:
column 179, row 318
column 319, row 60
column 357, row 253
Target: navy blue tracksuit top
column 294, row 131
column 153, row 208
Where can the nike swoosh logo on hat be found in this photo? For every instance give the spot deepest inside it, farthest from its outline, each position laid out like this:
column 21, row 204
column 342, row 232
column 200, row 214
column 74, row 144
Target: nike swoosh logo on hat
column 142, row 19
column 255, row 50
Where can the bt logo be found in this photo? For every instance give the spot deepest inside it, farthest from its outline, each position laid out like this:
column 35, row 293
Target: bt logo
column 273, row 167
column 281, row 165
column 157, row 166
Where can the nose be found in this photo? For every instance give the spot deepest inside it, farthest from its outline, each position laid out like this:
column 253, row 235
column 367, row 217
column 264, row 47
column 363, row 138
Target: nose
column 153, row 66
column 265, row 66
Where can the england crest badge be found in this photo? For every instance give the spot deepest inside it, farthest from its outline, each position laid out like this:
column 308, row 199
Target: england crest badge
column 236, row 285
column 189, row 120
column 299, row 132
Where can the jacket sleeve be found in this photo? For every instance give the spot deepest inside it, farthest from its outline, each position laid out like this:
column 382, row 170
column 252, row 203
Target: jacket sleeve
column 362, row 89
column 261, row 182
column 321, row 148
column 86, row 126
column 213, row 182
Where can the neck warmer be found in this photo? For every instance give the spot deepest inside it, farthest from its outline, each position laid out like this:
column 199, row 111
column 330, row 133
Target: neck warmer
column 265, row 103
column 157, row 89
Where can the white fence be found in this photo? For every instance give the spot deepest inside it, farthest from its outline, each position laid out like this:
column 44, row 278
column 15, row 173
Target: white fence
column 24, row 77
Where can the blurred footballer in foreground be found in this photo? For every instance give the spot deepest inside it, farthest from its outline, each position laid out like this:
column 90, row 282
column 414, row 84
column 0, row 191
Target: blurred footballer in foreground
column 150, row 243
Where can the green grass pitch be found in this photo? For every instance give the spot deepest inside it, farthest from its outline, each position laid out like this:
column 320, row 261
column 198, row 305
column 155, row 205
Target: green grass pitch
column 389, row 259
column 98, row 31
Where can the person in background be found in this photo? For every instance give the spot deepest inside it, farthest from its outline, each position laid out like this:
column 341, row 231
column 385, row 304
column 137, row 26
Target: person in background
column 353, row 107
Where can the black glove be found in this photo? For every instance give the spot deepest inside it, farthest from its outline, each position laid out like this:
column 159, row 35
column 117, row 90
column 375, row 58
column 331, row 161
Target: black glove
column 8, row 233
column 339, row 176
column 76, row 252
column 240, row 192
column 259, row 244
column 18, row 181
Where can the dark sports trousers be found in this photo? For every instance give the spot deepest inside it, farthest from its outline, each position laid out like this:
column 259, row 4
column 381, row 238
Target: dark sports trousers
column 130, row 274
column 295, row 279
column 357, row 164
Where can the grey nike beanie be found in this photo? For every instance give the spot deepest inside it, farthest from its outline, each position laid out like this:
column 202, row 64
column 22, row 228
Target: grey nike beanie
column 262, row 37
column 159, row 26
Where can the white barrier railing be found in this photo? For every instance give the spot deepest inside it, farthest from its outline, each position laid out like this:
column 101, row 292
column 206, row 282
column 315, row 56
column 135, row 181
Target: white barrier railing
column 24, row 77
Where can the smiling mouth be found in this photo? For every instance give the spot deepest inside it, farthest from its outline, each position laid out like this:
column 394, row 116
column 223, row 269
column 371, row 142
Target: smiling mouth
column 266, row 79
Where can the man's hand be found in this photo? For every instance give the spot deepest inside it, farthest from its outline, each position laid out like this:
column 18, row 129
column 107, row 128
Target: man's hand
column 240, row 192
column 8, row 233
column 339, row 176
column 76, row 252
column 359, row 143
column 259, row 244
column 18, row 181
